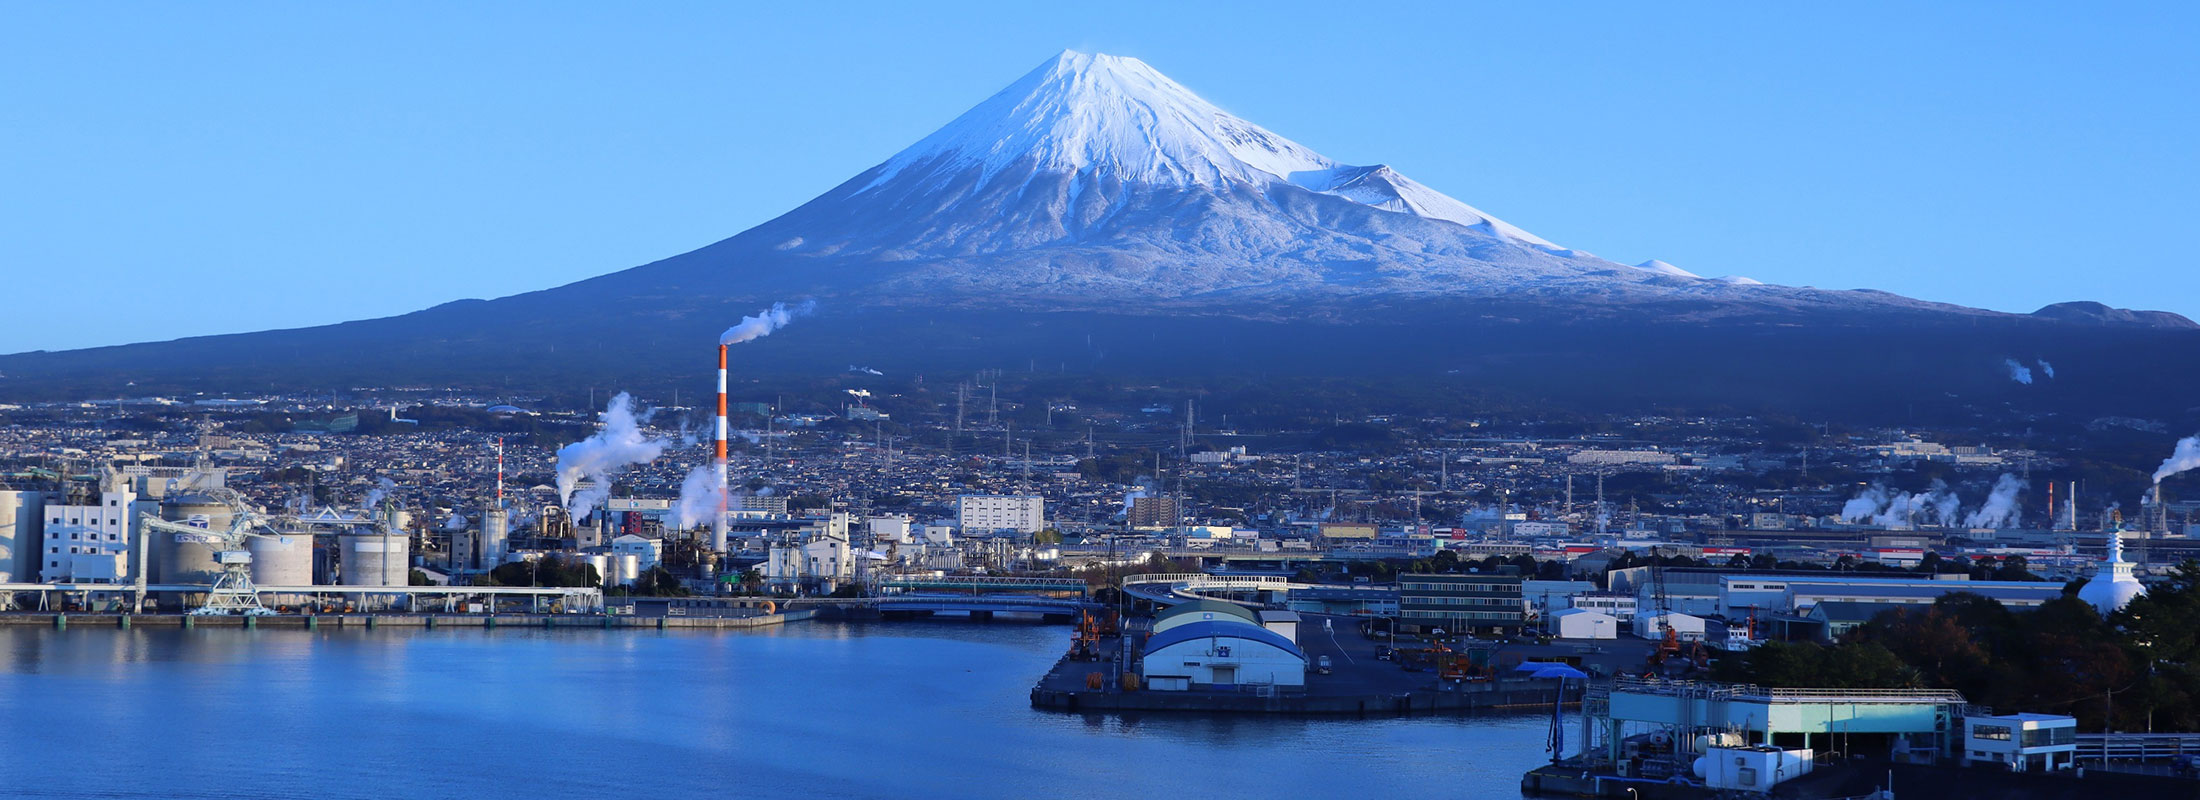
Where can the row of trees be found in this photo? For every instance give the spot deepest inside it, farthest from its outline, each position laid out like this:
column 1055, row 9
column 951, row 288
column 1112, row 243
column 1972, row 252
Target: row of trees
column 2136, row 670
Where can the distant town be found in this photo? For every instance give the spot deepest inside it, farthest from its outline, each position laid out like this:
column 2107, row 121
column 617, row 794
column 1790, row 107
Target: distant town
column 1464, row 559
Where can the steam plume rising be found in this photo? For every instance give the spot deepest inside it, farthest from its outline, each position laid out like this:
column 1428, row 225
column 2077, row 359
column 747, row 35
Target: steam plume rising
column 701, row 495
column 2187, row 457
column 457, row 522
column 618, row 445
column 2000, row 510
column 2018, row 372
column 1894, row 509
column 766, row 321
column 382, row 489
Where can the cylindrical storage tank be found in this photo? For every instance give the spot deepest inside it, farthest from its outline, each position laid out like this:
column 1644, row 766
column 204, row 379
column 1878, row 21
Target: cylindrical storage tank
column 600, row 561
column 494, row 532
column 625, row 567
column 188, row 562
column 371, row 559
column 285, row 560
column 21, row 534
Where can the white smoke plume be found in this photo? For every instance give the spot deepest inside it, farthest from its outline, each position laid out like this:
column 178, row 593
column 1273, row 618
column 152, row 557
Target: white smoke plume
column 2185, row 458
column 1132, row 496
column 382, row 489
column 2018, row 372
column 701, row 495
column 457, row 522
column 2000, row 510
column 1943, row 503
column 1886, row 508
column 1864, row 505
column 618, row 445
column 2047, row 369
column 766, row 321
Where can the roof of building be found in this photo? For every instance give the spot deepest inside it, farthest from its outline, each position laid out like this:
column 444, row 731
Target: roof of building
column 2043, row 590
column 1850, row 611
column 1223, row 629
column 1211, row 607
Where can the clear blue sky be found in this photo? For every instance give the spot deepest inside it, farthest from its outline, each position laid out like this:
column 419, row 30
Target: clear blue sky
column 171, row 169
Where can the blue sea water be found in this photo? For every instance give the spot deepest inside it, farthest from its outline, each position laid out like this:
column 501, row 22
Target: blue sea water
column 810, row 710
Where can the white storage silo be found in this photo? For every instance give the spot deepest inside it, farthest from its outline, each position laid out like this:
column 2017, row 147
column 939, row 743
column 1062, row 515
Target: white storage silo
column 188, row 562
column 22, row 529
column 601, row 561
column 625, row 567
column 285, row 560
column 371, row 559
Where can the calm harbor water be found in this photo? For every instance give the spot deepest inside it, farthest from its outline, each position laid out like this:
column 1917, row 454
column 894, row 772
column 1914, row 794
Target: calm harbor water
column 814, row 710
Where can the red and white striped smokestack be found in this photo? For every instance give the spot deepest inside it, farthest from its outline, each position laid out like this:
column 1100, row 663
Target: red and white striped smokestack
column 718, row 465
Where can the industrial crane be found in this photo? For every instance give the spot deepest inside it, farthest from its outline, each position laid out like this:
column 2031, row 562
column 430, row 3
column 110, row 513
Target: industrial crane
column 232, row 593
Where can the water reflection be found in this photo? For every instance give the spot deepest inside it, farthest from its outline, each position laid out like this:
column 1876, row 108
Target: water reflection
column 810, row 710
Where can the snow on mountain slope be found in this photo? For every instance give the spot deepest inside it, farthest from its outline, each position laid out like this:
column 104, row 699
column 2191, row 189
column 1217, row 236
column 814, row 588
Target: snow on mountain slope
column 1662, row 268
column 1094, row 181
column 1102, row 118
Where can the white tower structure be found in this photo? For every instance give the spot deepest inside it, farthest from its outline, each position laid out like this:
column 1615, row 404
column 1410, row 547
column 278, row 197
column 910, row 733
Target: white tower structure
column 2113, row 586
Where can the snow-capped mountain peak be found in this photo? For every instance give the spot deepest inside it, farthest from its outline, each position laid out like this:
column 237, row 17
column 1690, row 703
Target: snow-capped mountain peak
column 1102, row 119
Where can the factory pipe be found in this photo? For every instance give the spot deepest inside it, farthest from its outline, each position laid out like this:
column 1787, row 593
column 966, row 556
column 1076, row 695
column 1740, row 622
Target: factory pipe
column 718, row 464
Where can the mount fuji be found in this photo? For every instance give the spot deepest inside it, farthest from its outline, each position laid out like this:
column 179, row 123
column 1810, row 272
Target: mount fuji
column 1097, row 217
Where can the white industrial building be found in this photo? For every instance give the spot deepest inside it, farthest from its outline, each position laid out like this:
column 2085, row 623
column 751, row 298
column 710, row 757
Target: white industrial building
column 1581, row 623
column 1023, row 514
column 91, row 543
column 647, row 552
column 1203, row 645
column 2021, row 742
column 1686, row 627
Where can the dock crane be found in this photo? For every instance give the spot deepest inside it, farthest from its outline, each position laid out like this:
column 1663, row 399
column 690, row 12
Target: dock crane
column 232, row 593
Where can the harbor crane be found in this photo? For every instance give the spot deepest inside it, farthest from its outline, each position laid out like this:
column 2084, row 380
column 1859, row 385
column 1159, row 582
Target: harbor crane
column 232, row 593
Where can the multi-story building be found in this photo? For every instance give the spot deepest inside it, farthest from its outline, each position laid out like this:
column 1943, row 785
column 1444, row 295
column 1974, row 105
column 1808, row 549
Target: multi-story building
column 1024, row 514
column 90, row 543
column 1473, row 602
column 1153, row 512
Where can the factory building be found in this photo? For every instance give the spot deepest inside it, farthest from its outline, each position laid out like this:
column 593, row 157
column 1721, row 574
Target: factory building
column 88, row 539
column 1025, row 514
column 1462, row 603
column 1209, row 644
column 647, row 553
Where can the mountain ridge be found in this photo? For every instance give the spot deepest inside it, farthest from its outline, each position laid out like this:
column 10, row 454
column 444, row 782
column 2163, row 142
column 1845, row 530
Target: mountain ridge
column 1094, row 193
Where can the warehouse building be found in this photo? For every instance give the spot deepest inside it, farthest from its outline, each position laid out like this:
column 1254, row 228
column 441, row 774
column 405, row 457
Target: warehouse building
column 1221, row 653
column 1582, row 623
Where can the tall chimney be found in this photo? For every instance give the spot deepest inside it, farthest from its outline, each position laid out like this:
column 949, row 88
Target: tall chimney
column 718, row 464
